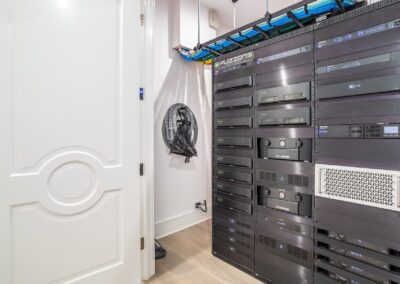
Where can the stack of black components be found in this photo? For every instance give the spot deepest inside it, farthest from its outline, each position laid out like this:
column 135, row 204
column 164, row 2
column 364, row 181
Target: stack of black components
column 284, row 167
column 233, row 156
column 306, row 152
column 358, row 148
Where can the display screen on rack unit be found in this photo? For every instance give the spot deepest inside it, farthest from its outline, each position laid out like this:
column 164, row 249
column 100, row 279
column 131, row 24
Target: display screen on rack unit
column 359, row 34
column 288, row 53
column 360, row 131
column 359, row 62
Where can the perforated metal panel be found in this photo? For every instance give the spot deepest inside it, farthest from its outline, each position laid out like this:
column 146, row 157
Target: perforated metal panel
column 372, row 187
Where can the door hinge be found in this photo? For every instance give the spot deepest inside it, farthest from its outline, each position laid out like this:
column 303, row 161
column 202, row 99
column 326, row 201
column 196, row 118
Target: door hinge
column 141, row 169
column 142, row 19
column 141, row 94
column 141, row 243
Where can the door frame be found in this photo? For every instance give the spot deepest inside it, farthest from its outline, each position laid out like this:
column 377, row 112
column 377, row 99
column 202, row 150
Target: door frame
column 147, row 139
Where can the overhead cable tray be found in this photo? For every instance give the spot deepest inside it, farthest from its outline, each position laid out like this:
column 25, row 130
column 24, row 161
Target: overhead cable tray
column 290, row 18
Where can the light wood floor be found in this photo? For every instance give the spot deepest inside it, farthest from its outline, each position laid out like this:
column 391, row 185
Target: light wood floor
column 189, row 260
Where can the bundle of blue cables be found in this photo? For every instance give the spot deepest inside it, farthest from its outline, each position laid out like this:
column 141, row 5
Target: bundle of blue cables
column 252, row 35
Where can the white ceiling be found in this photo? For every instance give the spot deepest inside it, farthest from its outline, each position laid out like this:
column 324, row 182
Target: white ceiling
column 246, row 10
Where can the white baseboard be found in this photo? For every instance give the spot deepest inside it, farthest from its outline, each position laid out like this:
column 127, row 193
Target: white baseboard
column 170, row 226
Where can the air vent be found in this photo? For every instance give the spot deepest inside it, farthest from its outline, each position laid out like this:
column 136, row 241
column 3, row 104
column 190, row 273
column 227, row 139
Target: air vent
column 269, row 242
column 373, row 131
column 240, row 233
column 221, row 227
column 223, row 217
column 298, row 252
column 244, row 254
column 268, row 176
column 290, row 249
column 295, row 180
column 243, row 225
column 371, row 187
column 243, row 244
column 298, row 180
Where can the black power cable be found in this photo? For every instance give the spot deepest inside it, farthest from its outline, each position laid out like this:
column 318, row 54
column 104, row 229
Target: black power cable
column 202, row 206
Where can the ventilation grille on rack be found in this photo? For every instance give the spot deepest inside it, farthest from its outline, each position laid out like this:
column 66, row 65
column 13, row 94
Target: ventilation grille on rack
column 296, row 180
column 376, row 188
column 290, row 249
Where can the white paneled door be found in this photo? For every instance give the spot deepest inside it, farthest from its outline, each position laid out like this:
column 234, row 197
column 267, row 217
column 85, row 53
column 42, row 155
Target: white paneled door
column 69, row 196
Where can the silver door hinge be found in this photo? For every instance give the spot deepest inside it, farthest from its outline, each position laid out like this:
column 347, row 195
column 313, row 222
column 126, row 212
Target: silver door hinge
column 141, row 169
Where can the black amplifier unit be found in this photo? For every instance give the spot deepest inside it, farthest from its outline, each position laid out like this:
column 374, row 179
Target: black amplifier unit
column 234, row 142
column 360, row 131
column 284, row 179
column 238, row 83
column 237, row 122
column 233, row 161
column 287, row 225
column 295, row 92
column 294, row 149
column 359, row 87
column 285, row 200
column 234, row 205
column 276, row 117
column 356, row 252
column 233, row 190
column 376, row 275
column 234, row 176
column 283, row 257
column 233, row 103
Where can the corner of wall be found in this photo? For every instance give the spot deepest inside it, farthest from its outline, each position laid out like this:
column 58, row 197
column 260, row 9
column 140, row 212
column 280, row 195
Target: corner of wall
column 179, row 223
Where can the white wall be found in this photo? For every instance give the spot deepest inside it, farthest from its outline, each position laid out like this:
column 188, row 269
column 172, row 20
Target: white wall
column 178, row 186
column 223, row 29
column 246, row 11
column 188, row 27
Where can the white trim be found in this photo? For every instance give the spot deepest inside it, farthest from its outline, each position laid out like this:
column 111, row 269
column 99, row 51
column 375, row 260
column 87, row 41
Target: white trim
column 179, row 223
column 147, row 140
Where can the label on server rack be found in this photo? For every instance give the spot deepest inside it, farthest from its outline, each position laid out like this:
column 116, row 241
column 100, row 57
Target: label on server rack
column 234, row 63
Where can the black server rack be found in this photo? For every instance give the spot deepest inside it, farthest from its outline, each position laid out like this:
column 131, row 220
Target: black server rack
column 284, row 132
column 357, row 79
column 306, row 166
column 233, row 159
